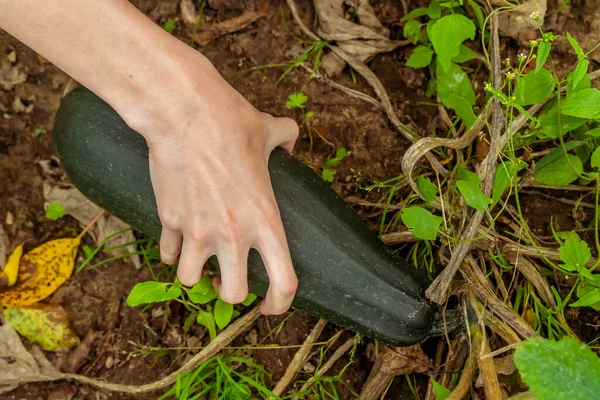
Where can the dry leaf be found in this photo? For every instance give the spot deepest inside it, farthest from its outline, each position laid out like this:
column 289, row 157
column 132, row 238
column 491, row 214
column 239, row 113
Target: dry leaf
column 11, row 76
column 44, row 324
column 18, row 366
column 84, row 210
column 361, row 40
column 514, row 20
column 8, row 277
column 4, row 243
column 505, row 365
column 41, row 272
column 188, row 12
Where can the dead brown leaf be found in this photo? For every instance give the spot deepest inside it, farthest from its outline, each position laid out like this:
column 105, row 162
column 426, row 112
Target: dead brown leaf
column 84, row 210
column 18, row 366
column 362, row 40
column 189, row 15
column 512, row 21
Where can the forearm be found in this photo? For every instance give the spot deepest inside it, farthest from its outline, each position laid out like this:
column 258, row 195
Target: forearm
column 108, row 46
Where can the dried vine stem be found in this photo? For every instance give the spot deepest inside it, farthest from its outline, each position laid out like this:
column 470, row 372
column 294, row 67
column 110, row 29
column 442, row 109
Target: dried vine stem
column 437, row 290
column 372, row 79
column 327, row 366
column 222, row 340
column 299, row 358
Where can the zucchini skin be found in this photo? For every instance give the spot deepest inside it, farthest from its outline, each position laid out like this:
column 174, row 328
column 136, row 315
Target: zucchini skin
column 346, row 274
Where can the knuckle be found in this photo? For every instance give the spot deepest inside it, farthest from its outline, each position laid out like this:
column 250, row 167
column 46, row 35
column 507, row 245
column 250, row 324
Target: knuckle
column 169, row 218
column 289, row 286
column 230, row 228
column 269, row 214
column 197, row 233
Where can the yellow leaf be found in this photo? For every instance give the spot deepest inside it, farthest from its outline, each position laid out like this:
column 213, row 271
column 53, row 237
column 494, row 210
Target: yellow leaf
column 8, row 277
column 41, row 272
column 44, row 324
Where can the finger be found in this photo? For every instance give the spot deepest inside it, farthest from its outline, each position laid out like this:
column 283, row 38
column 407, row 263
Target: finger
column 194, row 254
column 283, row 132
column 232, row 285
column 282, row 278
column 170, row 245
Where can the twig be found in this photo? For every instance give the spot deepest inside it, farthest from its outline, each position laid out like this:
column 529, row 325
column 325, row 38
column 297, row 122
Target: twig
column 466, row 379
column 491, row 386
column 436, row 292
column 299, row 358
column 372, row 79
column 327, row 366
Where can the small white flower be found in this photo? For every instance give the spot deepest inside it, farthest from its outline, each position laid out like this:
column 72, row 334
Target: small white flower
column 487, row 86
column 507, row 61
column 535, row 15
column 510, row 75
column 521, row 55
column 533, row 43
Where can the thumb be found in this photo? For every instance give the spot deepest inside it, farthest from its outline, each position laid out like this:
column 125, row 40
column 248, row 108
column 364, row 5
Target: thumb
column 282, row 132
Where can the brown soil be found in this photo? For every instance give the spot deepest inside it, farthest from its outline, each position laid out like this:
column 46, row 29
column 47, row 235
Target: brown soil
column 95, row 299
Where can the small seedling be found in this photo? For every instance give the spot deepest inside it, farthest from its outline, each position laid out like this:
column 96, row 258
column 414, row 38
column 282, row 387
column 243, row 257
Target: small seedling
column 55, row 211
column 169, row 25
column 330, row 165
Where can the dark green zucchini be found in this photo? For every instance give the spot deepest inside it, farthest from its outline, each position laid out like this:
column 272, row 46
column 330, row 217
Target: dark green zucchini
column 346, row 274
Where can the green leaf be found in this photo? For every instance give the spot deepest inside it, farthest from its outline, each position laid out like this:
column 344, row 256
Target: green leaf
column 478, row 12
column 574, row 253
column 549, row 122
column 584, row 83
column 542, row 55
column 578, row 50
column 416, row 13
column 558, row 172
column 203, row 291
column 169, row 25
column 593, row 132
column 456, row 92
column 207, row 320
column 420, row 57
column 505, row 172
column 559, row 370
column 440, row 392
column 427, row 189
column 296, row 100
column 469, row 176
column 152, row 292
column 473, row 195
column 558, row 152
column 591, row 298
column 421, row 222
column 447, row 34
column 580, row 72
column 534, row 87
column 583, row 104
column 583, row 289
column 223, row 312
column 412, row 30
column 434, row 11
column 55, row 211
column 464, row 54
column 595, row 160
column 250, row 299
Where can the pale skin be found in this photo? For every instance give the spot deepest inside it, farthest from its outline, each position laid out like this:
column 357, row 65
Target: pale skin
column 209, row 147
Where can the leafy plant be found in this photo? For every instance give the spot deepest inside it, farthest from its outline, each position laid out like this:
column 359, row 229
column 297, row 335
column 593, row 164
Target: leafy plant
column 330, row 165
column 169, row 25
column 55, row 211
column 441, row 47
column 210, row 315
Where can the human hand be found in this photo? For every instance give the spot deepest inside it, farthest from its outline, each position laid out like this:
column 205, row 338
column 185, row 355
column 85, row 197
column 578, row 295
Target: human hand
column 208, row 165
